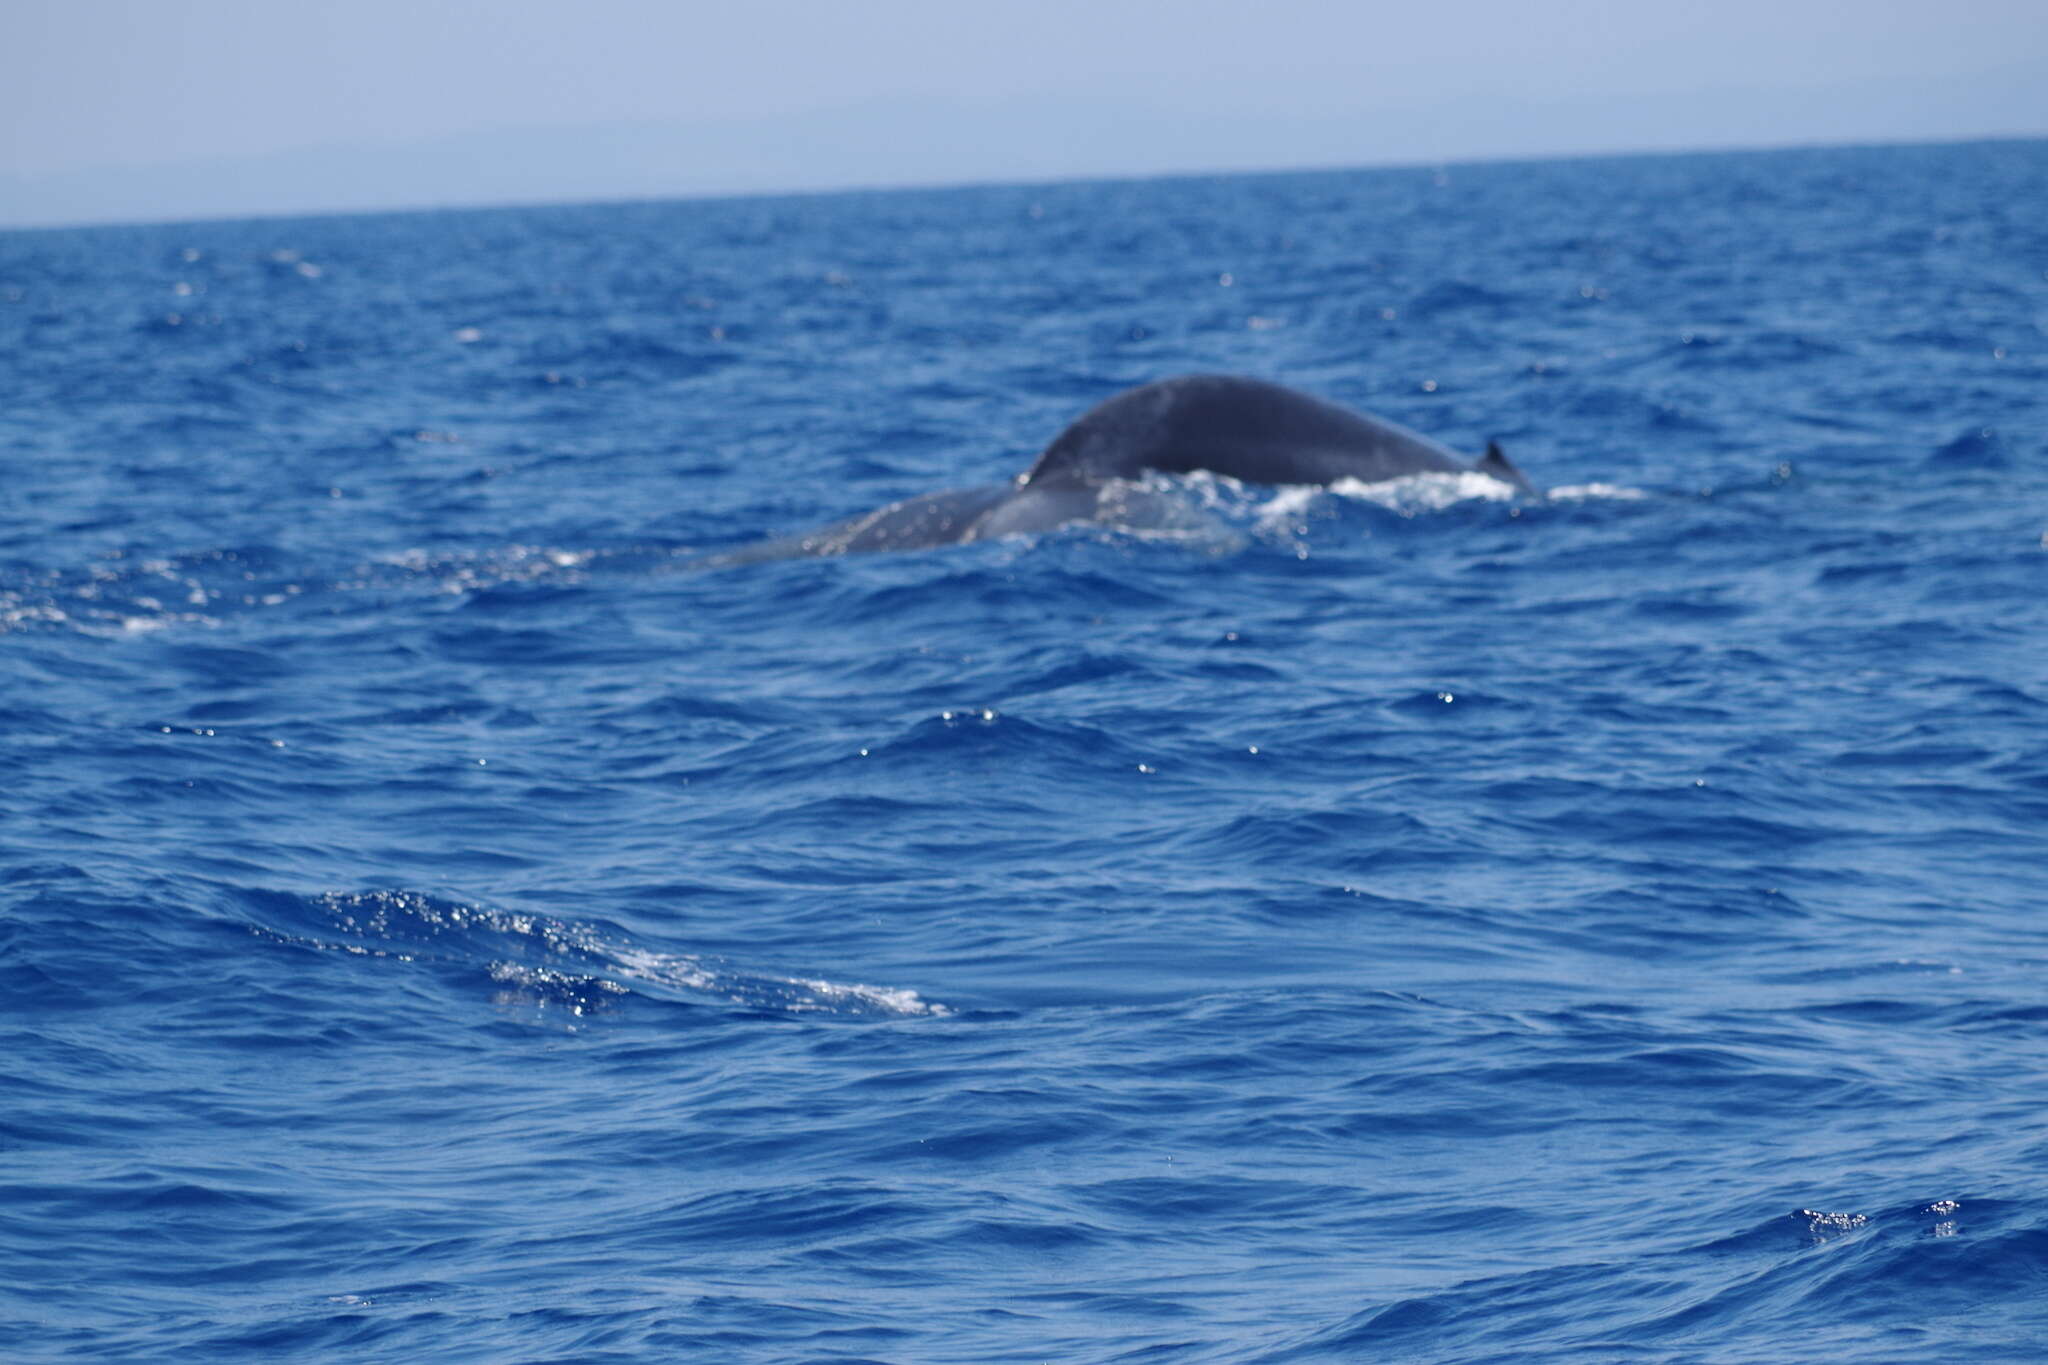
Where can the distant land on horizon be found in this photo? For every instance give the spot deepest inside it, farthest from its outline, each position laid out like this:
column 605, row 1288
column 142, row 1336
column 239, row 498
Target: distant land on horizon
column 906, row 142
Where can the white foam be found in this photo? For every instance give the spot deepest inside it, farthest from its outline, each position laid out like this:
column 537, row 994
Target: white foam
column 1587, row 492
column 1412, row 493
column 882, row 999
column 664, row 968
column 791, row 993
column 798, row 995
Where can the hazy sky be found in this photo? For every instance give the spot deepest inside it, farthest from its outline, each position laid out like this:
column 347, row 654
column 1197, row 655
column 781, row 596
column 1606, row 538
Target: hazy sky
column 92, row 84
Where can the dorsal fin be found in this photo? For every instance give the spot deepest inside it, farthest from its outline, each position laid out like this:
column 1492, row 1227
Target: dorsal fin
column 1497, row 464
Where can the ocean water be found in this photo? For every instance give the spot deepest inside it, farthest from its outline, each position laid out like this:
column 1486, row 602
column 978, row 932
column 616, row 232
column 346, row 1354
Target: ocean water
column 441, row 918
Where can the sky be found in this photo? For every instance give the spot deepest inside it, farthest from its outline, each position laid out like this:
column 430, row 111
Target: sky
column 163, row 109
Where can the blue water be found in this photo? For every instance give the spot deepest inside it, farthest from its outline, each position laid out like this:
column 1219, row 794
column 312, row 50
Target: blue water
column 442, row 920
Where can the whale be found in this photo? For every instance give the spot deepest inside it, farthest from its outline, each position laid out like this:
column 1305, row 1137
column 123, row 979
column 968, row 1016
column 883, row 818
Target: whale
column 1251, row 430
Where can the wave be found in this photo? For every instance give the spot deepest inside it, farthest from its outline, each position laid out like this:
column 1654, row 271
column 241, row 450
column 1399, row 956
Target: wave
column 554, row 964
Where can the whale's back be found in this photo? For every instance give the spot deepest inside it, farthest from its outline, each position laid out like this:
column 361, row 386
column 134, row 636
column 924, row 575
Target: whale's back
column 1245, row 428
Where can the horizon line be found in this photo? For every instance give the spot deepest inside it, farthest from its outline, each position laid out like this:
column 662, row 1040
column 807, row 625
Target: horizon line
column 913, row 186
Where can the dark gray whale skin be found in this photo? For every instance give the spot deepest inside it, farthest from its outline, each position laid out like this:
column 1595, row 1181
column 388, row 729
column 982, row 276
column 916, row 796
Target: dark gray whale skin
column 1247, row 429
